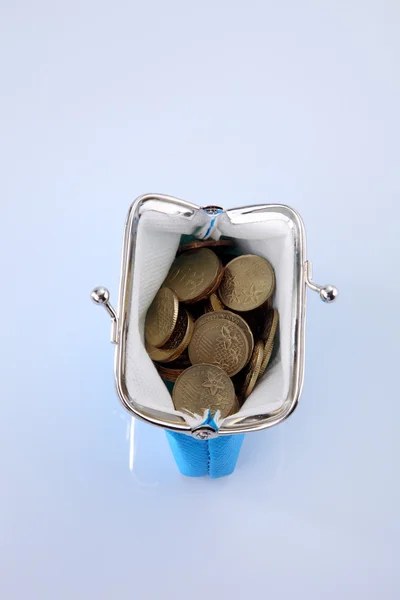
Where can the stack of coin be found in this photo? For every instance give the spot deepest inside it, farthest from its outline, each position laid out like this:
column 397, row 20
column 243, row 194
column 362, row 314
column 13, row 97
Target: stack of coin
column 211, row 328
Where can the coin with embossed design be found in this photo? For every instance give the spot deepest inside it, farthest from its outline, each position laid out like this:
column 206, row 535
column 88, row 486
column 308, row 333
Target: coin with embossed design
column 194, row 274
column 219, row 342
column 233, row 318
column 161, row 317
column 177, row 343
column 248, row 282
column 204, row 387
column 269, row 341
column 253, row 369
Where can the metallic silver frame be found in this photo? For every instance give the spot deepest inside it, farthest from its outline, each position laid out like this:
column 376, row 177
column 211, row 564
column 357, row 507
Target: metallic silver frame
column 302, row 277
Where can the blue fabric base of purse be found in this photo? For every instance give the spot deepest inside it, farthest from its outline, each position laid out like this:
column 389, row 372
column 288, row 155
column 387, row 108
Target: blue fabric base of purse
column 196, row 458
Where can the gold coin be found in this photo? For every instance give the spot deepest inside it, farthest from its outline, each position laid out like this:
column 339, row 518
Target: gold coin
column 204, row 387
column 213, row 288
column 266, row 322
column 192, row 274
column 219, row 342
column 233, row 318
column 215, row 244
column 168, row 374
column 248, row 282
column 215, row 302
column 177, row 343
column 161, row 317
column 269, row 342
column 253, row 369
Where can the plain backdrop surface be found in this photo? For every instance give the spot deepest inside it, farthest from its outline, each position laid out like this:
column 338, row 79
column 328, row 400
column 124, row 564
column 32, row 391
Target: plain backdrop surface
column 225, row 103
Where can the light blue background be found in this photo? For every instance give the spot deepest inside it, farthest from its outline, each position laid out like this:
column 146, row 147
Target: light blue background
column 216, row 102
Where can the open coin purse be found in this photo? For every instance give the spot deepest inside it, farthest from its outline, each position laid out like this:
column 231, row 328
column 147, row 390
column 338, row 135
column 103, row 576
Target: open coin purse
column 208, row 444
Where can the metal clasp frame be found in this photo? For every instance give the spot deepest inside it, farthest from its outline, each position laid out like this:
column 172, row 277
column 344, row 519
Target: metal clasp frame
column 174, row 206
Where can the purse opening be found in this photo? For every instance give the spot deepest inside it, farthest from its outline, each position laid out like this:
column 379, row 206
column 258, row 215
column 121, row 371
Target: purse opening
column 158, row 238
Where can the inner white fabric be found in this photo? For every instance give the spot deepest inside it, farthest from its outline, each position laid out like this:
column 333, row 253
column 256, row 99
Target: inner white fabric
column 158, row 238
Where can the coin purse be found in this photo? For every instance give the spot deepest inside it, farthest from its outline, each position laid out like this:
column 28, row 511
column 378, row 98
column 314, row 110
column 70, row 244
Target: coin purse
column 207, row 444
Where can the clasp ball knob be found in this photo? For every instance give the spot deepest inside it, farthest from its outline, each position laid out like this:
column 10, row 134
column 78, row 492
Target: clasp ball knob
column 328, row 293
column 100, row 295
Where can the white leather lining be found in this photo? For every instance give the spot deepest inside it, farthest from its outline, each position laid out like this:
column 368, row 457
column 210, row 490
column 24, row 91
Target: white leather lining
column 158, row 238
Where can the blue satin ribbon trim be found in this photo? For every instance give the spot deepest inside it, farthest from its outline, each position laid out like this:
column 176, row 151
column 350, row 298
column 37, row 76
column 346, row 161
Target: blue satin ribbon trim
column 212, row 224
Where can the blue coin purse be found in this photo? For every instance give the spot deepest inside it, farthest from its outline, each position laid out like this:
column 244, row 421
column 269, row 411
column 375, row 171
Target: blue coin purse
column 207, row 444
